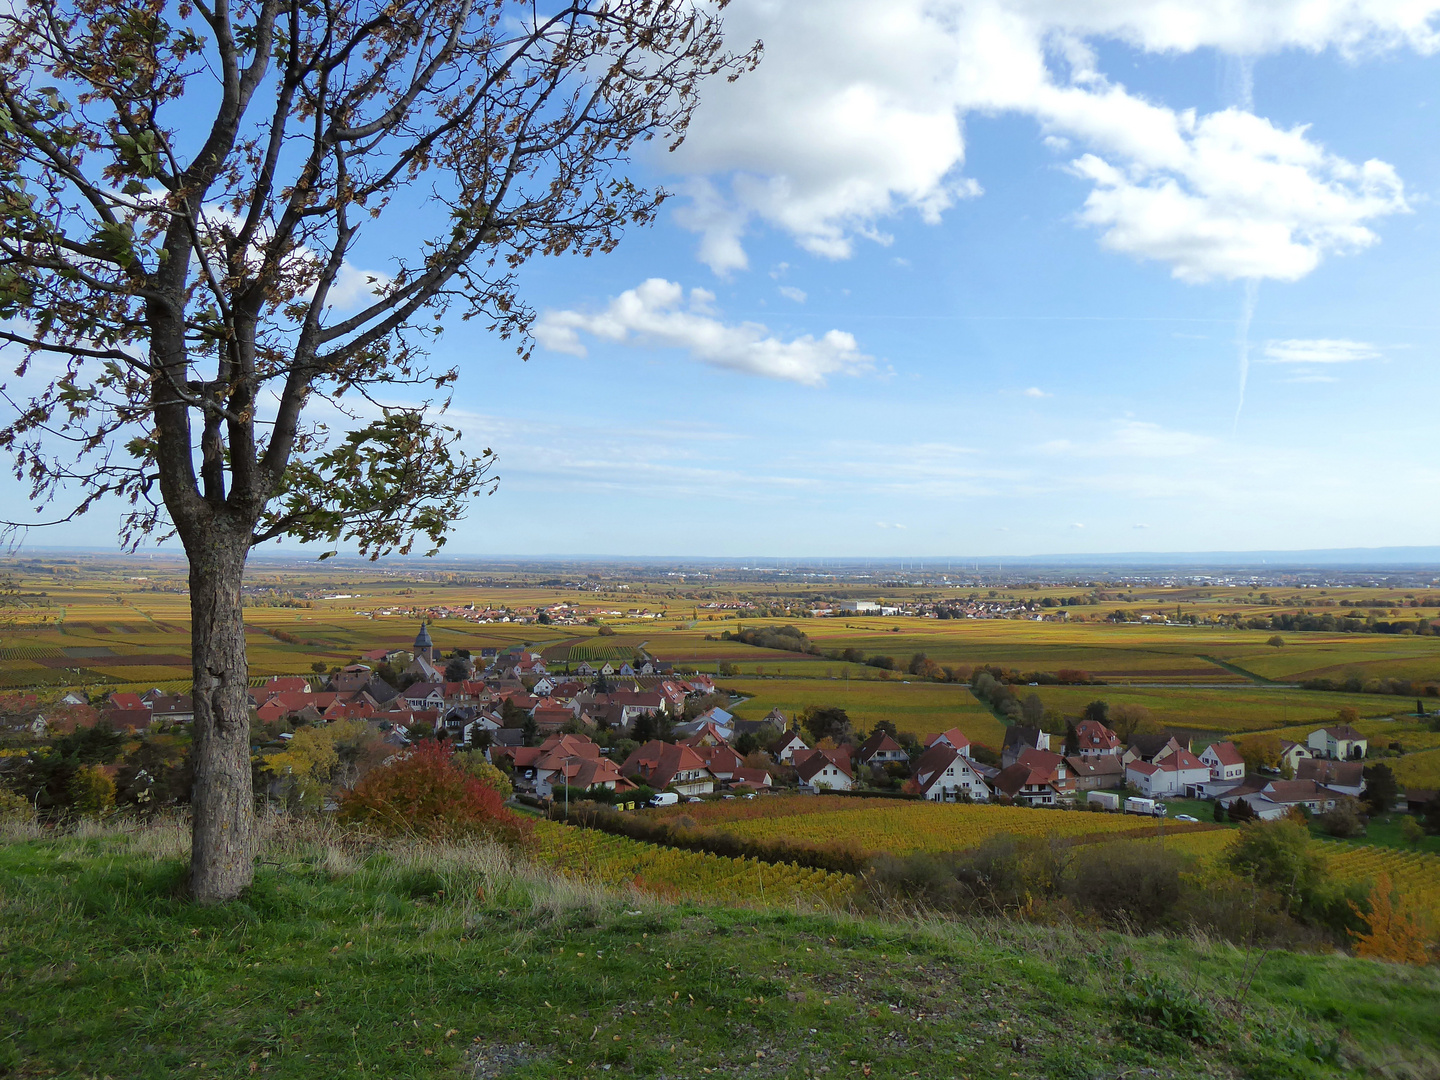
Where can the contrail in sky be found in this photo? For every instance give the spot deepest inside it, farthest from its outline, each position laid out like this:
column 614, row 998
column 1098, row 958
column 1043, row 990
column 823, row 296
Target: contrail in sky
column 1242, row 336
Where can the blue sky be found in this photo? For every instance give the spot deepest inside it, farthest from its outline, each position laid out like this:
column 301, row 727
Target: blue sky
column 1021, row 379
column 959, row 277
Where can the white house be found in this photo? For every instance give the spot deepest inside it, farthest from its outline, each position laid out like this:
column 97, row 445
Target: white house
column 1224, row 760
column 1341, row 742
column 821, row 770
column 946, row 775
column 1293, row 753
column 1177, row 773
column 787, row 746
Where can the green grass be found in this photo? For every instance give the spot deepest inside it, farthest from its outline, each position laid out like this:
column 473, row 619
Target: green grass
column 350, row 960
column 1384, row 832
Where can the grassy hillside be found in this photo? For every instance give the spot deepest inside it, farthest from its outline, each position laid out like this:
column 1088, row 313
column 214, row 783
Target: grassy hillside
column 350, row 959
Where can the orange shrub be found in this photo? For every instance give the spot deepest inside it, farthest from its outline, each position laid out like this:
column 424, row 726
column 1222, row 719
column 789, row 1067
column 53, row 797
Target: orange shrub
column 426, row 793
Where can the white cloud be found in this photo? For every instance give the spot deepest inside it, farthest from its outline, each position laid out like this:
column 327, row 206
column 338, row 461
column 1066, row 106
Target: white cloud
column 1319, row 351
column 1035, row 392
column 354, row 286
column 792, row 293
column 656, row 314
column 1139, row 525
column 887, row 525
column 857, row 114
column 1077, row 525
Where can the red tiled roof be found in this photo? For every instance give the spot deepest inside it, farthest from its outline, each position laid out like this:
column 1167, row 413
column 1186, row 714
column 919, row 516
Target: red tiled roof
column 1226, row 753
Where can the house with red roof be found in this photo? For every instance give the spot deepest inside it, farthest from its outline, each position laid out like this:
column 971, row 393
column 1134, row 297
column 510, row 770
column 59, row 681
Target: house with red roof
column 824, row 770
column 881, row 749
column 1096, row 772
column 1271, row 799
column 1225, row 762
column 954, row 737
column 722, row 760
column 1094, row 739
column 787, row 746
column 126, row 701
column 662, row 765
column 759, row 779
column 1177, row 773
column 1033, row 783
column 944, row 774
column 290, row 684
column 1346, row 777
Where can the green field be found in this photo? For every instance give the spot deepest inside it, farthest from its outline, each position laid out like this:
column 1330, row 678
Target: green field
column 920, row 708
column 1223, row 711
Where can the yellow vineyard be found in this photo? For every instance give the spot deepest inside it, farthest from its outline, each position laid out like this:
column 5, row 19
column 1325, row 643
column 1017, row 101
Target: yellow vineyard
column 925, row 826
column 617, row 860
column 1415, row 875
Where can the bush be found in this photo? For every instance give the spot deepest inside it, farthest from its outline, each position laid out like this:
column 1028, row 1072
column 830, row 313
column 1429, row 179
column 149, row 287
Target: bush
column 474, row 764
column 1130, row 885
column 15, row 807
column 91, row 791
column 427, row 793
column 1343, row 821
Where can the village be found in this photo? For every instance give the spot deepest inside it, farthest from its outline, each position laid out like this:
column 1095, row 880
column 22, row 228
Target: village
column 636, row 733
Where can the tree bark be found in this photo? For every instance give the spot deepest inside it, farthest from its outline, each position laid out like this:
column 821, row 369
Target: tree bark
column 222, row 854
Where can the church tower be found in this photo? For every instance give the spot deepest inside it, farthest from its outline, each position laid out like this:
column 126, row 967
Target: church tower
column 423, row 645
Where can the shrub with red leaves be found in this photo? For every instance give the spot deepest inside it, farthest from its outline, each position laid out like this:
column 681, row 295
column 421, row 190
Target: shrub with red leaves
column 425, row 793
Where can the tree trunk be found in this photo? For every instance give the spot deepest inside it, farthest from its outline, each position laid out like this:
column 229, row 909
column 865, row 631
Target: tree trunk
column 222, row 855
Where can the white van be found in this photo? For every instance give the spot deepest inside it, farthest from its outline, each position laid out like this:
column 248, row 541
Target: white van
column 664, row 798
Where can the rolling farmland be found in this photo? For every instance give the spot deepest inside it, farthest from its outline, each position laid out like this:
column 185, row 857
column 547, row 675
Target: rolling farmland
column 105, row 624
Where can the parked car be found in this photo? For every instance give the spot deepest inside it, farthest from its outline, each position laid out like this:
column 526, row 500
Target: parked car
column 1185, row 817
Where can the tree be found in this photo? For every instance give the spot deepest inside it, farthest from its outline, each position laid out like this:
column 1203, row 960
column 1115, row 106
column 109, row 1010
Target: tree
column 1276, row 855
column 182, row 190
column 1391, row 933
column 1128, row 720
column 1259, row 750
column 1381, row 789
column 826, row 723
column 1032, row 708
column 457, row 669
column 1276, row 640
column 319, row 667
column 1219, row 812
column 1072, row 739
